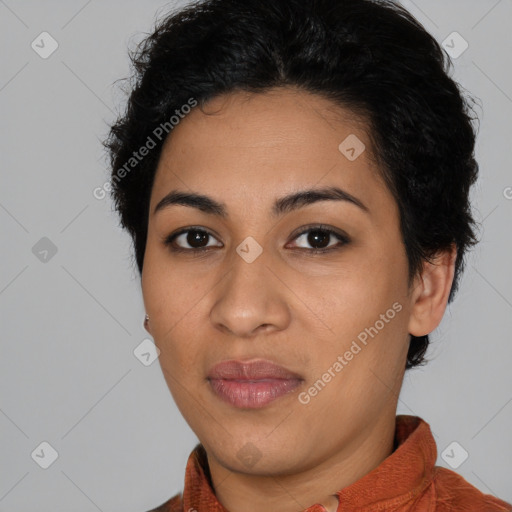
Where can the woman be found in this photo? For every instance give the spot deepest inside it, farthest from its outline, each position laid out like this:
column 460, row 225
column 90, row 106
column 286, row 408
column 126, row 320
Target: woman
column 295, row 177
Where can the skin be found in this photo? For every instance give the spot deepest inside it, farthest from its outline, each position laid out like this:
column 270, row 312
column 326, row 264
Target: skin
column 298, row 309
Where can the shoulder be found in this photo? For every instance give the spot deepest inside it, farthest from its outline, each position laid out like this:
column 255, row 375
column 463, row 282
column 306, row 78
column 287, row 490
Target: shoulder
column 174, row 504
column 454, row 493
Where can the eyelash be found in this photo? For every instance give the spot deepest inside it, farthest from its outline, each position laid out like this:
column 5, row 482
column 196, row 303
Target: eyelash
column 169, row 240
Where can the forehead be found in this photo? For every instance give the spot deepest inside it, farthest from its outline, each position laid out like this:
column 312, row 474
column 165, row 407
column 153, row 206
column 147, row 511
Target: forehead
column 246, row 144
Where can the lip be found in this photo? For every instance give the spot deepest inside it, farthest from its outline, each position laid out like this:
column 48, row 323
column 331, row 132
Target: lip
column 251, row 384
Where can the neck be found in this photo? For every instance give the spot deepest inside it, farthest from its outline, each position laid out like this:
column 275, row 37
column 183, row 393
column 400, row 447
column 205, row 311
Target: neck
column 317, row 484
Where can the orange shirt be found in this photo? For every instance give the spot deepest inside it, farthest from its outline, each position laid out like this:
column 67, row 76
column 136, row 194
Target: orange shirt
column 407, row 480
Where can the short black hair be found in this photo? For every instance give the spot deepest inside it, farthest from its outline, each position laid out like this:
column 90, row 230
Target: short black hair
column 371, row 57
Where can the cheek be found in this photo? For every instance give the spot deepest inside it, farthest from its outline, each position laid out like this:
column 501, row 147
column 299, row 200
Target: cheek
column 168, row 290
column 353, row 297
column 366, row 313
column 168, row 300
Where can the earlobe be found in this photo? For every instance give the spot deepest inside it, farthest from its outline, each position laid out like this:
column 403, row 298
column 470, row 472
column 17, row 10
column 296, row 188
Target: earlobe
column 430, row 293
column 146, row 324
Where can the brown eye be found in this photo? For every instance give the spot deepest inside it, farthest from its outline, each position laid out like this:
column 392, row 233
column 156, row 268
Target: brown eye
column 318, row 238
column 190, row 239
column 321, row 239
column 196, row 238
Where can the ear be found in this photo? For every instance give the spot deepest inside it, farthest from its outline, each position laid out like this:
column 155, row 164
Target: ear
column 430, row 293
column 146, row 325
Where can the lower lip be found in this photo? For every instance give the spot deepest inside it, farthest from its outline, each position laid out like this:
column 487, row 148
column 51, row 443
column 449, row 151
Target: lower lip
column 254, row 394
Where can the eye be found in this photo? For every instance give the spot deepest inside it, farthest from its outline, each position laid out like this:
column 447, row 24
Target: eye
column 194, row 237
column 320, row 237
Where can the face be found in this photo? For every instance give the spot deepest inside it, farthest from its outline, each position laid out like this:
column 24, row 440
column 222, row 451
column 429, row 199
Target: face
column 317, row 285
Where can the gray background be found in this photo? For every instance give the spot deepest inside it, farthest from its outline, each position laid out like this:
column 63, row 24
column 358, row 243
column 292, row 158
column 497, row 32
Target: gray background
column 71, row 320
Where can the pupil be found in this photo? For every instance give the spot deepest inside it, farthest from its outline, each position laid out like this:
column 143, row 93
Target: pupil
column 196, row 237
column 316, row 235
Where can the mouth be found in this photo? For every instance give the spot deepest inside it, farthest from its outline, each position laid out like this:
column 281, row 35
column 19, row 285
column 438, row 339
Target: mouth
column 251, row 385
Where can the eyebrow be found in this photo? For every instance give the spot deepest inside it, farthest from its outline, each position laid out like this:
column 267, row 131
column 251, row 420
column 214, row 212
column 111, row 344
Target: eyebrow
column 281, row 206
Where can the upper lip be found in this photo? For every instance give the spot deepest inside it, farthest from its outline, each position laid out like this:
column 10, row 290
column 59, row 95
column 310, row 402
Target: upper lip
column 250, row 370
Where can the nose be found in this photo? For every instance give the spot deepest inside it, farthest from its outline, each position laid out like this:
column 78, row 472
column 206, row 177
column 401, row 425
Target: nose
column 251, row 299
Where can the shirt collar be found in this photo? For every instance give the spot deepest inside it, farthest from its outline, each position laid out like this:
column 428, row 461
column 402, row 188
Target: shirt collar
column 401, row 476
